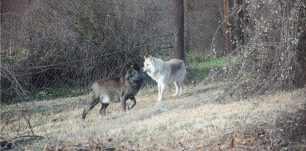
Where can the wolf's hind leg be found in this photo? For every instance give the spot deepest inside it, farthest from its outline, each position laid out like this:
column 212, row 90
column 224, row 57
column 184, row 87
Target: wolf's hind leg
column 103, row 109
column 181, row 86
column 91, row 105
column 176, row 88
column 134, row 103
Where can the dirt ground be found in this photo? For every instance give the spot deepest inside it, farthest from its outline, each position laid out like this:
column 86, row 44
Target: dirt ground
column 193, row 121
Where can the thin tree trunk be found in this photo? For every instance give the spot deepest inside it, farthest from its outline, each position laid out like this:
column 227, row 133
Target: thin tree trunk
column 57, row 16
column 238, row 25
column 119, row 22
column 179, row 29
column 186, row 25
column 229, row 41
column 93, row 14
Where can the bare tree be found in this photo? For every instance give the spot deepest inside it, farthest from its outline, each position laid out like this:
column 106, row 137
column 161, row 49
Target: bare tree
column 179, row 29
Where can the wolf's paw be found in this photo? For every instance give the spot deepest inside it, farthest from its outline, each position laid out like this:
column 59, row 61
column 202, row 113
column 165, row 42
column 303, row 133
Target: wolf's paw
column 175, row 94
column 159, row 99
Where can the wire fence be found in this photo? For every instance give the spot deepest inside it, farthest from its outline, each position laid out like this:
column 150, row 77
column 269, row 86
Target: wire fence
column 70, row 44
column 52, row 50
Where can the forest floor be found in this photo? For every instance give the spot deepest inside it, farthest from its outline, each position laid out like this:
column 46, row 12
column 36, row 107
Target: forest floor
column 193, row 121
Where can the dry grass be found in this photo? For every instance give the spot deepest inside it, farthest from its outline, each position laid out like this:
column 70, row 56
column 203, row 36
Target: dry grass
column 190, row 121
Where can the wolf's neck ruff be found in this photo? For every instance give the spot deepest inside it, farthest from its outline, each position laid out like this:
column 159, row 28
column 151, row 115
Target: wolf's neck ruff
column 159, row 66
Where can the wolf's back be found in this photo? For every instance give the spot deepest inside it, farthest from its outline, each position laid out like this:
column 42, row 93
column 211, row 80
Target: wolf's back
column 176, row 65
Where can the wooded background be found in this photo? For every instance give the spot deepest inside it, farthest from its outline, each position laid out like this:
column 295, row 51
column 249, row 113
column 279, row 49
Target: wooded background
column 47, row 44
column 50, row 43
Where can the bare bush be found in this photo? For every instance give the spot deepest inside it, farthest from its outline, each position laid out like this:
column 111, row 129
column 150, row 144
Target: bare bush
column 50, row 44
column 273, row 56
column 60, row 43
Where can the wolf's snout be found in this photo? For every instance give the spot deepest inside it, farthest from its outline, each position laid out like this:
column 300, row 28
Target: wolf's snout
column 147, row 70
column 143, row 69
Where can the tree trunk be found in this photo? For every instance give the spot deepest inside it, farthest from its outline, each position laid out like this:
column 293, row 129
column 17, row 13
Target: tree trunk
column 119, row 6
column 229, row 41
column 179, row 29
column 238, row 25
column 186, row 25
column 93, row 13
column 300, row 78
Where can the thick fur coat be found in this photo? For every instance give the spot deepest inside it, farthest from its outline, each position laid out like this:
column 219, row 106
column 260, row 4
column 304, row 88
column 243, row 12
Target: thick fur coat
column 115, row 90
column 172, row 71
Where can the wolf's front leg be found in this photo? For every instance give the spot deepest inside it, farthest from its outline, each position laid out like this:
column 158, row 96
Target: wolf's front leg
column 123, row 104
column 158, row 88
column 93, row 102
column 162, row 88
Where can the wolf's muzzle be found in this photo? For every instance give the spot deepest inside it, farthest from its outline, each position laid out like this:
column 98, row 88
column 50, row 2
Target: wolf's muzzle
column 145, row 70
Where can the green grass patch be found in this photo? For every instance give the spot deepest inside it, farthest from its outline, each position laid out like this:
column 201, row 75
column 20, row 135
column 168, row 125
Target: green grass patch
column 53, row 93
column 216, row 62
column 40, row 94
column 52, row 138
column 199, row 64
column 39, row 122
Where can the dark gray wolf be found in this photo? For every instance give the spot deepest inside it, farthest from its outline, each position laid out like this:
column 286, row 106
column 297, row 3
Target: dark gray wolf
column 172, row 71
column 115, row 90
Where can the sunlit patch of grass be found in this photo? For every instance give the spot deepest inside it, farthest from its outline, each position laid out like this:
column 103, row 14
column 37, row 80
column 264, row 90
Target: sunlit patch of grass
column 209, row 121
column 186, row 118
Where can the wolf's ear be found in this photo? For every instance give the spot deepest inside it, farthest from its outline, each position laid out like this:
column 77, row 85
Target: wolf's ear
column 145, row 57
column 151, row 57
column 136, row 67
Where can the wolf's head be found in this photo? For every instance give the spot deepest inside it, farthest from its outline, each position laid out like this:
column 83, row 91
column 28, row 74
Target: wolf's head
column 149, row 65
column 133, row 73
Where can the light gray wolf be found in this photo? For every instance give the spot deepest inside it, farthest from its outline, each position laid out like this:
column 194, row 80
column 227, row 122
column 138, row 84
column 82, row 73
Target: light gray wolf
column 115, row 90
column 172, row 71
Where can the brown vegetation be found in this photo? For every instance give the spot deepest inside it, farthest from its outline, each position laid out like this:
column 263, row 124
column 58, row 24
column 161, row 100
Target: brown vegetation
column 46, row 45
column 273, row 56
column 193, row 121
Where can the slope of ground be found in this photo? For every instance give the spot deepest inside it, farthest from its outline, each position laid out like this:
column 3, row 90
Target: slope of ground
column 194, row 121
